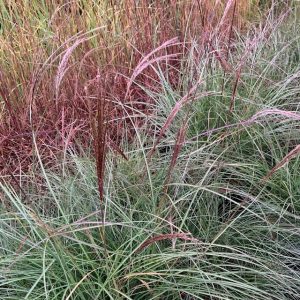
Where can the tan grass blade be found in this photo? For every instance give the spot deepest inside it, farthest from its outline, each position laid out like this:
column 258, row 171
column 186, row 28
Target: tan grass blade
column 265, row 112
column 61, row 70
column 188, row 97
column 225, row 65
column 226, row 11
column 146, row 61
column 178, row 145
column 255, row 119
column 292, row 154
column 168, row 236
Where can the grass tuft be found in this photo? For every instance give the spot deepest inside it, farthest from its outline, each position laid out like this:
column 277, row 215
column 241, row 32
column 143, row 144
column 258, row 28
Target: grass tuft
column 182, row 118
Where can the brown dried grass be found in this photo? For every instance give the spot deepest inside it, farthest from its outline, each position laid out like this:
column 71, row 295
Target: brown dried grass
column 50, row 72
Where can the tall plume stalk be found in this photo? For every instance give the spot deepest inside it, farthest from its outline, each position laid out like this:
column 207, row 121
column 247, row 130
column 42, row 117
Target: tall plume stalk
column 100, row 140
column 100, row 133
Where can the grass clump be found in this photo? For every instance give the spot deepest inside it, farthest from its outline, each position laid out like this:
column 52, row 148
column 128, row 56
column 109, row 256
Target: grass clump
column 195, row 194
column 205, row 243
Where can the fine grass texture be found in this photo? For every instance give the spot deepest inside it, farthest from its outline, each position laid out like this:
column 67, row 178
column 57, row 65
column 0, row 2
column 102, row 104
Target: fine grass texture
column 53, row 52
column 174, row 177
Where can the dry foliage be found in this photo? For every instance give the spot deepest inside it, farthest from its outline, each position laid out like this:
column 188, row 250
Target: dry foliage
column 292, row 154
column 49, row 67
